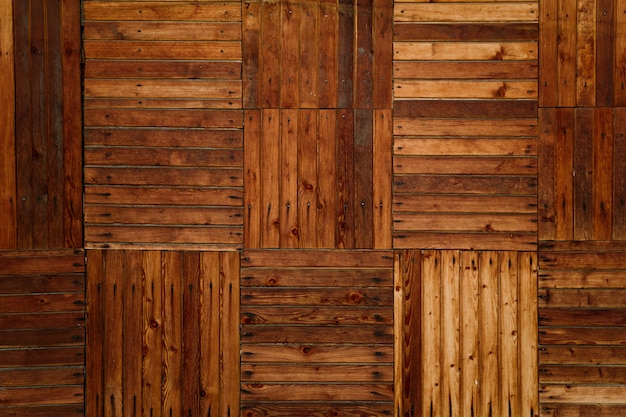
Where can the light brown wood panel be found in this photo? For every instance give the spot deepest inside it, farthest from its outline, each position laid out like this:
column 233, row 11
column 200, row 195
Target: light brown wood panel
column 321, row 320
column 153, row 306
column 42, row 336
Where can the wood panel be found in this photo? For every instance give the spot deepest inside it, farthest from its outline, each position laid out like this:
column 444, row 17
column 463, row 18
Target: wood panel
column 581, row 48
column 581, row 360
column 163, row 137
column 42, row 333
column 465, row 125
column 161, row 330
column 580, row 174
column 317, row 332
column 311, row 55
column 43, row 186
column 317, row 179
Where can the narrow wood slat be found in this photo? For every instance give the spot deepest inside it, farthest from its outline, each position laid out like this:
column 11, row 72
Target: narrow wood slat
column 73, row 336
column 467, row 241
column 27, row 321
column 583, row 374
column 162, row 30
column 42, row 376
column 605, row 52
column 308, row 54
column 328, row 41
column 581, row 336
column 230, row 266
column 592, row 298
column 251, row 63
column 461, row 165
column 202, row 177
column 121, row 11
column 318, row 297
column 465, row 147
column 317, row 258
column 252, row 180
column 186, row 385
column 508, row 331
column 270, row 178
column 465, row 184
column 46, row 356
column 316, row 373
column 315, row 409
column 378, row 334
column 156, row 157
column 566, row 51
column 209, row 351
column 129, row 195
column 546, row 209
column 211, row 235
column 382, row 40
column 144, row 88
column 619, row 173
column 382, row 171
column 582, row 279
column 564, row 180
column 464, row 51
column 164, row 118
column 431, row 332
column 363, row 178
column 169, row 137
column 316, row 392
column 464, row 70
column 148, row 50
column 94, row 354
column 269, row 51
column 475, row 204
column 620, row 61
column 582, row 355
column 583, row 260
column 132, row 343
column 468, row 222
column 576, row 410
column 460, row 12
column 171, row 215
column 327, row 179
column 289, row 225
column 307, row 177
column 469, row 32
column 465, row 127
column 583, row 394
column 152, row 331
column 312, row 276
column 528, row 337
column 199, row 69
column 42, row 396
column 586, row 39
column 289, row 80
column 315, row 315
column 582, row 317
column 469, row 336
column 548, row 48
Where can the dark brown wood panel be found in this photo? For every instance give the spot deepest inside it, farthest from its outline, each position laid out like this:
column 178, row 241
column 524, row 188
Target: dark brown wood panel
column 317, row 332
column 42, row 333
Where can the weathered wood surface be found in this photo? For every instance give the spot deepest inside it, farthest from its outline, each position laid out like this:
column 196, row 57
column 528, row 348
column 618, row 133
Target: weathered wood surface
column 478, row 339
column 317, row 332
column 42, row 333
column 581, row 320
column 161, row 332
column 465, row 125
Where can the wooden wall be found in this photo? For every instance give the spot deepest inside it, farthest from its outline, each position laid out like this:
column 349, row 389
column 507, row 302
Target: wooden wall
column 42, row 266
column 318, row 207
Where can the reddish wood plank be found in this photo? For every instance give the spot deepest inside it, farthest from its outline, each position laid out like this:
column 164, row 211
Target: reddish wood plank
column 94, row 359
column 251, row 58
column 566, row 52
column 289, row 225
column 346, row 40
column 382, row 178
column 345, row 174
column 270, row 178
column 290, row 13
column 328, row 39
column 363, row 54
column 190, row 331
column 307, row 177
column 309, row 54
column 546, row 175
column 605, row 52
column 564, row 180
column 252, row 180
column 619, row 83
column 269, row 62
column 363, row 178
column 327, row 179
column 619, row 173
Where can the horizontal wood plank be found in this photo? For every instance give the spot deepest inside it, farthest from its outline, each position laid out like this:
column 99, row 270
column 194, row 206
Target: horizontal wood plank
column 316, row 392
column 316, row 353
column 316, row 373
column 315, row 315
column 466, row 12
column 163, row 10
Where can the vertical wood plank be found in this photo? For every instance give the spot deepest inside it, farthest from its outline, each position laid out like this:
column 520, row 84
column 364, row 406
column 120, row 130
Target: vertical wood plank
column 583, row 173
column 270, row 178
column 326, row 178
column 290, row 54
column 72, row 125
column 528, row 335
column 488, row 333
column 269, row 68
column 94, row 358
column 401, row 360
column 382, row 40
column 210, row 334
column 548, row 50
column 566, row 51
column 307, row 176
column 345, row 54
column 363, row 180
column 113, row 336
column 469, row 334
column 603, row 174
column 450, row 333
column 620, row 53
column 363, row 54
column 408, row 269
column 345, row 164
column 172, row 378
column 546, row 211
column 309, row 54
column 586, row 53
column 229, row 336
column 619, row 173
column 289, row 228
column 605, row 52
column 431, row 333
column 328, row 60
column 251, row 28
column 8, row 232
column 191, row 334
column 152, row 333
column 23, row 129
column 508, row 335
column 382, row 176
column 252, row 179
column 564, row 178
column 132, row 321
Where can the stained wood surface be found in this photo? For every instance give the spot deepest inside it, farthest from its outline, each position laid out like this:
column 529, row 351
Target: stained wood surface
column 42, row 333
column 317, row 332
column 161, row 332
column 581, row 323
column 465, row 125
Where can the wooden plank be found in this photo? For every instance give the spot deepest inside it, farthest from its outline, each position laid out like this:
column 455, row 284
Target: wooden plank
column 619, row 83
column 41, row 303
column 345, row 174
column 288, row 212
column 345, row 56
column 603, row 174
column 473, row 108
column 461, row 165
column 172, row 376
column 270, row 178
column 289, row 79
column 431, row 333
column 152, row 331
column 508, row 330
column 269, row 60
column 378, row 334
column 317, row 258
column 592, row 298
column 188, row 176
column 186, row 386
column 149, row 50
column 382, row 178
column 619, row 174
column 583, row 394
column 582, row 355
column 61, row 261
column 583, row 260
column 566, row 53
column 470, row 32
column 132, row 332
column 28, row 338
column 94, row 351
column 45, row 356
column 316, row 373
column 72, row 394
column 164, row 118
column 328, row 39
column 546, row 209
column 251, row 56
column 465, row 89
column 363, row 180
column 327, row 179
column 317, row 353
column 252, row 180
column 70, row 321
column 145, row 88
column 157, row 157
column 185, row 11
column 209, row 351
column 605, row 52
column 229, row 333
column 163, row 30
column 583, row 169
column 475, row 222
column 199, row 69
column 309, row 54
column 363, row 54
column 316, row 277
column 113, row 299
column 466, row 12
column 577, row 410
column 586, row 40
column 42, row 376
column 548, row 48
column 450, row 332
column 212, row 235
column 170, row 137
column 582, row 279
column 41, row 283
column 564, row 180
column 363, row 297
column 488, row 349
column 463, row 204
column 467, row 241
column 469, row 301
column 171, row 215
column 307, row 177
column 528, row 337
column 465, row 127
column 316, row 409
column 469, row 69
column 43, row 411
column 581, row 336
column 582, row 317
column 583, row 374
column 465, row 184
column 464, row 51
column 8, row 192
column 322, row 314
column 135, row 195
column 258, row 392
